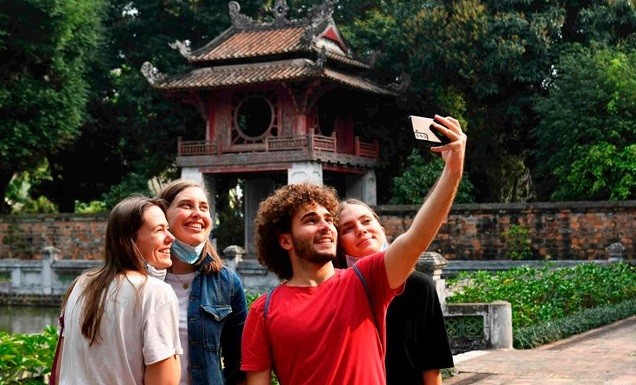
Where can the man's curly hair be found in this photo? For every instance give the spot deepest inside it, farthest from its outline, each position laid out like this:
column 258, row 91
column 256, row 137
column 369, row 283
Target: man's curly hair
column 274, row 217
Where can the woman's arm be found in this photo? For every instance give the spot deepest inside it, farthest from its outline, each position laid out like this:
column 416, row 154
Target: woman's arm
column 165, row 372
column 405, row 250
column 232, row 333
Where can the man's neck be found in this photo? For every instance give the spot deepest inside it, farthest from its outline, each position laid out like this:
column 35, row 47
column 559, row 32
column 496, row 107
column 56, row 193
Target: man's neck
column 307, row 274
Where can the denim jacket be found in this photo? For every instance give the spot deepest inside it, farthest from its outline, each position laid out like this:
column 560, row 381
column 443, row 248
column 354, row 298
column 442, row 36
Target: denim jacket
column 216, row 314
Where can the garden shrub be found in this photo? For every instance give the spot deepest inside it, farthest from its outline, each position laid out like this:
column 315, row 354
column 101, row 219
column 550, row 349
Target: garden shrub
column 26, row 359
column 539, row 295
column 517, row 243
column 539, row 334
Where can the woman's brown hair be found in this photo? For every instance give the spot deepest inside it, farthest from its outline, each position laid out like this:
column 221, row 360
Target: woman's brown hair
column 120, row 255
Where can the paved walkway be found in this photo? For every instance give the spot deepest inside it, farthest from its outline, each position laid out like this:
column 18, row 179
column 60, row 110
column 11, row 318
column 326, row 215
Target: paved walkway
column 603, row 356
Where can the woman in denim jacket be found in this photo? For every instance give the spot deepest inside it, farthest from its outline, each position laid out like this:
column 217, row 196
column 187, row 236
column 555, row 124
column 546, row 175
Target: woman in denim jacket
column 211, row 297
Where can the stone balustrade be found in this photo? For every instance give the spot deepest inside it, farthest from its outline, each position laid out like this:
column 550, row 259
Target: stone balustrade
column 44, row 281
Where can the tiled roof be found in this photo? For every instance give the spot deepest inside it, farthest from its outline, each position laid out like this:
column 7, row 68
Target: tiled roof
column 249, row 44
column 259, row 73
column 237, row 44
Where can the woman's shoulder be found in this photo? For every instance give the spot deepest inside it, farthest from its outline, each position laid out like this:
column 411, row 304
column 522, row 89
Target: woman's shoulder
column 225, row 276
column 420, row 280
column 155, row 284
column 229, row 273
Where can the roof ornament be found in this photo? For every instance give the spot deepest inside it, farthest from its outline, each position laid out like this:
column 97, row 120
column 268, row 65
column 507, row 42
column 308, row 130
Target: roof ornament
column 372, row 56
column 184, row 48
column 324, row 11
column 280, row 9
column 402, row 83
column 239, row 20
column 322, row 58
column 151, row 73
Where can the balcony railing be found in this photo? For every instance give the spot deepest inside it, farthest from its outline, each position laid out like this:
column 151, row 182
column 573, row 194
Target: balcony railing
column 280, row 143
column 199, row 147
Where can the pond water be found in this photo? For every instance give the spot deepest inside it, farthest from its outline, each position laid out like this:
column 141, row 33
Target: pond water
column 27, row 319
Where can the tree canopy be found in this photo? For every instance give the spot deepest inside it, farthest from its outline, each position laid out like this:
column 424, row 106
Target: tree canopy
column 518, row 74
column 47, row 47
column 591, row 155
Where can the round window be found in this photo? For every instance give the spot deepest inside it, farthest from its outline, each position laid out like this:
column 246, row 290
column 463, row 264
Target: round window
column 254, row 117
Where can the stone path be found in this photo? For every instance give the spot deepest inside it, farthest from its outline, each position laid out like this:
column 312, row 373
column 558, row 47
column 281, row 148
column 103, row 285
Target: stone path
column 603, row 356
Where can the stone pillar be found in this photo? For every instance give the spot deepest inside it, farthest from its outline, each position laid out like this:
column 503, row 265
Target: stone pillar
column 210, row 185
column 305, row 172
column 255, row 191
column 432, row 263
column 615, row 251
column 500, row 314
column 363, row 187
column 49, row 254
column 192, row 173
column 16, row 277
column 233, row 255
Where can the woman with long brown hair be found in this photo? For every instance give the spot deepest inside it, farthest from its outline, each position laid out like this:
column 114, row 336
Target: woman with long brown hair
column 121, row 320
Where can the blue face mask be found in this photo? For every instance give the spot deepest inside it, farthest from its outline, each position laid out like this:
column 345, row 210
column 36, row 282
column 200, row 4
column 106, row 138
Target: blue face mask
column 186, row 253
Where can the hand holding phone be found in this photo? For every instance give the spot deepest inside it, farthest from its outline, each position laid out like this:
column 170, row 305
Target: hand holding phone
column 425, row 131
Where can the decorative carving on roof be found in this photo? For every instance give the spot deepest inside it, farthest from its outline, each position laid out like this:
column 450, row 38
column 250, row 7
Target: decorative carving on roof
column 371, row 57
column 322, row 59
column 239, row 20
column 402, row 84
column 318, row 16
column 280, row 13
column 308, row 36
column 321, row 12
column 184, row 48
column 151, row 73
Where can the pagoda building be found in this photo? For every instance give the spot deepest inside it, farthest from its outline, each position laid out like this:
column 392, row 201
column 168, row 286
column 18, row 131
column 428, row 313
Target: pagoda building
column 282, row 102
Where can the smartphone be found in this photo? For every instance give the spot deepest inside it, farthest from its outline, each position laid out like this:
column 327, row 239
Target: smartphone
column 424, row 131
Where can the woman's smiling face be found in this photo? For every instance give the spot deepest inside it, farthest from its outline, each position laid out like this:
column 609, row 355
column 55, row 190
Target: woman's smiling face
column 189, row 216
column 153, row 240
column 359, row 232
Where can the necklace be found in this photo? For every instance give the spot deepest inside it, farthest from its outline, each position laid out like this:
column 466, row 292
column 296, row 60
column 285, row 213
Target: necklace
column 185, row 285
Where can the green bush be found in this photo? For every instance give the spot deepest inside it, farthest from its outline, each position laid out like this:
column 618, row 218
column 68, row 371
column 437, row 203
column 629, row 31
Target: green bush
column 545, row 294
column 26, row 359
column 517, row 243
column 543, row 333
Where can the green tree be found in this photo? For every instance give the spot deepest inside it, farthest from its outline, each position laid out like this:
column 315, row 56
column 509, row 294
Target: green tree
column 484, row 62
column 419, row 177
column 132, row 132
column 47, row 47
column 587, row 134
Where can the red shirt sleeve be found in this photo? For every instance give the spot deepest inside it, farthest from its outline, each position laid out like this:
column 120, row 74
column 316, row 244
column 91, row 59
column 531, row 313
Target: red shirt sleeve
column 255, row 344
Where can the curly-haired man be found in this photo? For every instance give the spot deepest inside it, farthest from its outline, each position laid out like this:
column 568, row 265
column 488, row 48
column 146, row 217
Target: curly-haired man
column 322, row 325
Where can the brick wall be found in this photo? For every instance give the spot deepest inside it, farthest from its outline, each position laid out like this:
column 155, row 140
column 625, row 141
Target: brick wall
column 566, row 230
column 78, row 236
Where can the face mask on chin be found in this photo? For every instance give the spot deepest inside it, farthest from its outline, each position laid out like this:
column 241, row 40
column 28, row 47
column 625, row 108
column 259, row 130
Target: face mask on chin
column 185, row 252
column 154, row 272
column 352, row 260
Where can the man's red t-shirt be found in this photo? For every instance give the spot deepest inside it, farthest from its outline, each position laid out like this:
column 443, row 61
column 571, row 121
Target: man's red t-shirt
column 322, row 335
